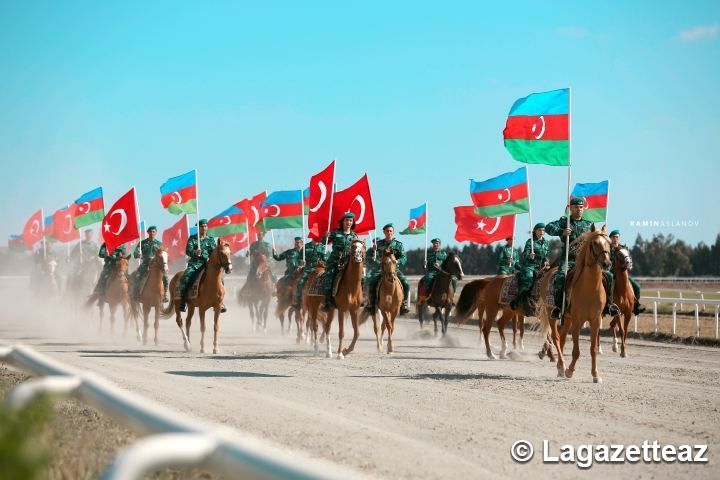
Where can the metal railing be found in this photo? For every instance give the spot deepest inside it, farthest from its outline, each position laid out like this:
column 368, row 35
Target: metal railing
column 173, row 439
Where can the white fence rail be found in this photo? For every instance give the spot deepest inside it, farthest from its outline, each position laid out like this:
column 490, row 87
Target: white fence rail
column 675, row 302
column 174, row 440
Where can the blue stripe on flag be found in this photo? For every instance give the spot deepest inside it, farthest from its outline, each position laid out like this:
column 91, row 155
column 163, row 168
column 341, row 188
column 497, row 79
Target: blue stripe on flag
column 417, row 212
column 178, row 183
column 282, row 197
column 506, row 180
column 545, row 103
column 587, row 189
column 89, row 196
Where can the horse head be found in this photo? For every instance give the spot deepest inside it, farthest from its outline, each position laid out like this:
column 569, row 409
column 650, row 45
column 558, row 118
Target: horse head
column 262, row 264
column 122, row 265
column 389, row 264
column 50, row 266
column 453, row 265
column 160, row 260
column 357, row 251
column 622, row 260
column 596, row 248
column 221, row 256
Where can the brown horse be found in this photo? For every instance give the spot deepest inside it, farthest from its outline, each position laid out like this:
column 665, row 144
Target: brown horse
column 389, row 298
column 257, row 293
column 152, row 293
column 623, row 297
column 285, row 297
column 442, row 293
column 210, row 295
column 311, row 304
column 117, row 295
column 348, row 299
column 487, row 303
column 586, row 299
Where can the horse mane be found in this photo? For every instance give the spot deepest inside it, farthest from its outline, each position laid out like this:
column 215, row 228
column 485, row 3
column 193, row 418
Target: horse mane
column 582, row 254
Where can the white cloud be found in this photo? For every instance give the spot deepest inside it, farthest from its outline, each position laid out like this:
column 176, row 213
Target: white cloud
column 700, row 32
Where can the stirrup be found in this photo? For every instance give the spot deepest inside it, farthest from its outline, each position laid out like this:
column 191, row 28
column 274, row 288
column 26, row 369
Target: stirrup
column 555, row 314
column 222, row 308
column 183, row 307
column 404, row 308
column 638, row 309
column 613, row 309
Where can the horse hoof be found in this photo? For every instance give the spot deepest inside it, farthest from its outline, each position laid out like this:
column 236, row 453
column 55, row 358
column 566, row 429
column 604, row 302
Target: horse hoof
column 569, row 373
column 597, row 380
column 561, row 373
column 541, row 354
column 188, row 348
column 202, row 350
column 491, row 356
column 600, row 351
column 614, row 348
column 522, row 345
column 328, row 355
column 341, row 356
column 623, row 354
column 503, row 356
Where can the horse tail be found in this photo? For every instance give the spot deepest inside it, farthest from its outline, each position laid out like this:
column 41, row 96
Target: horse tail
column 168, row 310
column 134, row 308
column 91, row 300
column 469, row 299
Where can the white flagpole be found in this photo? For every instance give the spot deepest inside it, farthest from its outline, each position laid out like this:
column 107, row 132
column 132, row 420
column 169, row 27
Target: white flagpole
column 302, row 212
column 138, row 247
column 332, row 197
column 42, row 224
column 567, row 197
column 532, row 232
column 607, row 205
column 512, row 248
column 375, row 242
column 272, row 232
column 426, row 233
column 197, row 206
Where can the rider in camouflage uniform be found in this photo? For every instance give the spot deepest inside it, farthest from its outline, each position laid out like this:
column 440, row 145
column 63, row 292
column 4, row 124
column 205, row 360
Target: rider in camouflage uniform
column 389, row 242
column 341, row 240
column 578, row 226
column 435, row 258
column 507, row 260
column 258, row 246
column 533, row 258
column 146, row 250
column 314, row 254
column 88, row 246
column 110, row 261
column 199, row 253
column 614, row 244
column 293, row 258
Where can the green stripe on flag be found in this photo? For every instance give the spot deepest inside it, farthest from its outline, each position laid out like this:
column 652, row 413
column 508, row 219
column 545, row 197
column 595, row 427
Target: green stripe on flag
column 231, row 229
column 89, row 218
column 509, row 208
column 545, row 152
column 188, row 207
column 278, row 223
column 416, row 231
column 595, row 214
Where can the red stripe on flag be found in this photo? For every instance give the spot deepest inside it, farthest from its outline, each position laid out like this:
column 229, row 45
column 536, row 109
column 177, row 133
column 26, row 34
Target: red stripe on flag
column 596, row 201
column 87, row 207
column 497, row 197
column 283, row 210
column 181, row 196
column 540, row 127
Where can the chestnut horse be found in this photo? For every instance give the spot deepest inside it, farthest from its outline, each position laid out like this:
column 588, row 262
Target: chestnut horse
column 210, row 295
column 257, row 293
column 587, row 298
column 152, row 293
column 442, row 293
column 348, row 299
column 117, row 295
column 311, row 304
column 389, row 299
column 285, row 296
column 623, row 297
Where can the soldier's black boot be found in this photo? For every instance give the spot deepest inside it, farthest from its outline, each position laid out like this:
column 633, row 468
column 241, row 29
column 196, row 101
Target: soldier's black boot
column 222, row 308
column 165, row 298
column 611, row 309
column 638, row 309
column 326, row 306
column 183, row 306
column 555, row 314
column 404, row 308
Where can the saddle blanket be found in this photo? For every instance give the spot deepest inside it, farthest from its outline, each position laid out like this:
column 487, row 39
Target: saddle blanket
column 315, row 288
column 194, row 288
column 509, row 289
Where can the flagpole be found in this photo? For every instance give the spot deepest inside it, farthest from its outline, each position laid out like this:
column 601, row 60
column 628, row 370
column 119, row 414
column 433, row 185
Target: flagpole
column 607, row 204
column 426, row 233
column 80, row 247
column 375, row 242
column 532, row 232
column 42, row 223
column 567, row 197
column 197, row 207
column 140, row 225
column 332, row 197
column 512, row 248
column 302, row 212
column 272, row 232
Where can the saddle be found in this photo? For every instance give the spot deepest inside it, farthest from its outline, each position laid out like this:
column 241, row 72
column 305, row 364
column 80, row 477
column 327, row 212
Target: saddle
column 549, row 299
column 315, row 288
column 509, row 290
column 193, row 289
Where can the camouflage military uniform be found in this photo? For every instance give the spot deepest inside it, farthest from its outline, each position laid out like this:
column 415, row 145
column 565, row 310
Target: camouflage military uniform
column 399, row 252
column 146, row 250
column 434, row 260
column 259, row 246
column 341, row 242
column 504, row 265
column 110, row 261
column 196, row 262
column 292, row 257
column 528, row 266
column 314, row 253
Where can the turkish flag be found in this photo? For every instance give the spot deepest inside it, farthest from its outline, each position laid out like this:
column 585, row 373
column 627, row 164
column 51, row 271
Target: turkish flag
column 254, row 212
column 321, row 191
column 474, row 228
column 120, row 224
column 237, row 241
column 175, row 238
column 64, row 225
column 355, row 199
column 33, row 230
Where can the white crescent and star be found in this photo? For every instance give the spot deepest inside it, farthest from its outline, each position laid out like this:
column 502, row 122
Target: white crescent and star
column 172, row 197
column 500, row 195
column 323, row 196
column 542, row 128
column 361, row 202
column 84, row 207
column 123, row 221
column 413, row 224
column 68, row 222
column 35, row 227
column 277, row 210
column 481, row 226
column 256, row 214
column 228, row 220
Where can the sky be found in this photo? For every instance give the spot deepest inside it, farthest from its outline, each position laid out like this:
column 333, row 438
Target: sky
column 261, row 95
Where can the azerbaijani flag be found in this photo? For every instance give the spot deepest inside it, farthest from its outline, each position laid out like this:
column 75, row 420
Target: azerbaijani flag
column 506, row 194
column 89, row 208
column 416, row 225
column 16, row 243
column 538, row 128
column 596, row 198
column 283, row 209
column 48, row 228
column 306, row 201
column 179, row 194
column 228, row 222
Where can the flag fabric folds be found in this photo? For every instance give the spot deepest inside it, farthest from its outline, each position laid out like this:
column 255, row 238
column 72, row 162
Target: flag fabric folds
column 230, row 221
column 416, row 224
column 506, row 194
column 283, row 209
column 356, row 199
column 319, row 201
column 175, row 238
column 478, row 229
column 120, row 224
column 89, row 208
column 33, row 230
column 179, row 194
column 64, row 226
column 596, row 199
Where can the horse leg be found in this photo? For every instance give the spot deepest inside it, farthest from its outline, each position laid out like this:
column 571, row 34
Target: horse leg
column 624, row 331
column 112, row 320
column 613, row 325
column 126, row 313
column 435, row 321
column 355, row 319
column 515, row 330
column 188, row 320
column 555, row 340
column 179, row 322
column 490, row 314
column 378, row 338
column 599, row 347
column 341, row 333
column 421, row 309
column 576, row 347
column 390, row 319
column 201, row 313
column 156, row 325
column 594, row 336
column 216, row 330
column 326, row 332
column 282, row 323
column 446, row 320
column 102, row 314
column 506, row 315
column 521, row 320
column 146, row 323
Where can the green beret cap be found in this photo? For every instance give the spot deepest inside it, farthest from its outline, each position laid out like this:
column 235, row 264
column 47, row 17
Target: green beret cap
column 538, row 225
column 615, row 232
column 203, row 221
column 388, row 225
column 577, row 201
column 151, row 227
column 348, row 215
column 298, row 238
column 435, row 240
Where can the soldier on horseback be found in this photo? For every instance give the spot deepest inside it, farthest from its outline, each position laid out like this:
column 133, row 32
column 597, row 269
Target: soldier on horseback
column 578, row 226
column 532, row 260
column 435, row 258
column 110, row 260
column 293, row 258
column 314, row 254
column 257, row 247
column 507, row 260
column 398, row 250
column 146, row 250
column 88, row 246
column 199, row 253
column 614, row 245
column 341, row 239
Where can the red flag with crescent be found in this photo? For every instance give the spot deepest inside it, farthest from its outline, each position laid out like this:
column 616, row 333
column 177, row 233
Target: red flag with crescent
column 320, row 197
column 356, row 199
column 33, row 230
column 120, row 224
column 64, row 225
column 175, row 238
column 237, row 241
column 254, row 211
column 477, row 229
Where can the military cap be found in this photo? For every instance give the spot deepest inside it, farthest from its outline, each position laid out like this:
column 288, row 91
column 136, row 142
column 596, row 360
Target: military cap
column 388, row 225
column 577, row 201
column 615, row 232
column 538, row 225
column 298, row 238
column 203, row 221
column 348, row 215
column 435, row 240
column 151, row 227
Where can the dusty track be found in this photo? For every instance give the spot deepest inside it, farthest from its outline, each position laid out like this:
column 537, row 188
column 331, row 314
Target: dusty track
column 433, row 410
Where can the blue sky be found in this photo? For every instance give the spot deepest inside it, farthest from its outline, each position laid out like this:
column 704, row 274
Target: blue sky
column 414, row 93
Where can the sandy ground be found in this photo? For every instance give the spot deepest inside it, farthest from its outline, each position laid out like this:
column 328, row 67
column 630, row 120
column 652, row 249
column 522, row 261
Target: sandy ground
column 435, row 409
